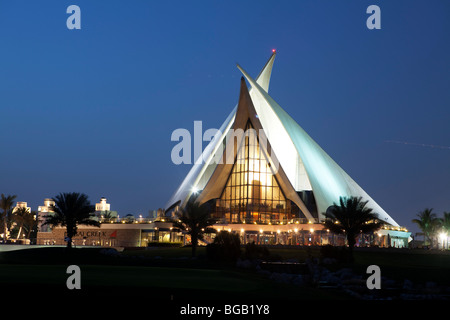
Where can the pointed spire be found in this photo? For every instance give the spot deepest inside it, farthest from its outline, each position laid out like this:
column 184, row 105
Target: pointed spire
column 263, row 79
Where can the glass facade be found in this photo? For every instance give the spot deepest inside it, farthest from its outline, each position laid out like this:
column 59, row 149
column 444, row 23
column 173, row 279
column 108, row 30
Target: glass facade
column 252, row 193
column 160, row 235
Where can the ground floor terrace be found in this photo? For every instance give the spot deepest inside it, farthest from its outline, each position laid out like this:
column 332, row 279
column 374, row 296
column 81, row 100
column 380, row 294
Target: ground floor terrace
column 143, row 234
column 312, row 234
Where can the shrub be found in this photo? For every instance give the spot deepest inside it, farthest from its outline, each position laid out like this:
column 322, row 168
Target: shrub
column 226, row 247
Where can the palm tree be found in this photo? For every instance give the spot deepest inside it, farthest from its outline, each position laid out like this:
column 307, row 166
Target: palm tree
column 195, row 219
column 444, row 226
column 445, row 222
column 24, row 219
column 428, row 223
column 107, row 216
column 71, row 210
column 6, row 204
column 31, row 223
column 351, row 218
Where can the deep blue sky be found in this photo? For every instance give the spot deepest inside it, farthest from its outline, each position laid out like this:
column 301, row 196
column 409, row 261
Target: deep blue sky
column 92, row 110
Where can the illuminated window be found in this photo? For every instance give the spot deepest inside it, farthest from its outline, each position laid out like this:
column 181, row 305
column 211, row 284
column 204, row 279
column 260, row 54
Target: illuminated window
column 252, row 193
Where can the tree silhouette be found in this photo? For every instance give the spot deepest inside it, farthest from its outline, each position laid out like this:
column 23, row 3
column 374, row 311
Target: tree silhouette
column 71, row 210
column 24, row 219
column 351, row 217
column 6, row 204
column 195, row 219
column 445, row 222
column 428, row 223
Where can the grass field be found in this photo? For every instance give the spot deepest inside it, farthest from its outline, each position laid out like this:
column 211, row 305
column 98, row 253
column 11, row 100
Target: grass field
column 170, row 273
column 419, row 265
column 166, row 277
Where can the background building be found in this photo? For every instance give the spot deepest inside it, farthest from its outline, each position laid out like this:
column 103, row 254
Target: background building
column 21, row 204
column 103, row 211
column 43, row 211
column 115, row 234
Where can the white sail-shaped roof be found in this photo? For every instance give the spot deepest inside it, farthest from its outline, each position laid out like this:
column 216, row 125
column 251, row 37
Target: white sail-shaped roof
column 327, row 180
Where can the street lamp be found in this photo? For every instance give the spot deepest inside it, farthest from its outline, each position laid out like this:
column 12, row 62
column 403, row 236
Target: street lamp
column 443, row 237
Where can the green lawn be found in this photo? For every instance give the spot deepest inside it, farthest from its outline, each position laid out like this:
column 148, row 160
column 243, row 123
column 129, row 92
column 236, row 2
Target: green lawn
column 155, row 282
column 168, row 277
column 170, row 273
column 416, row 265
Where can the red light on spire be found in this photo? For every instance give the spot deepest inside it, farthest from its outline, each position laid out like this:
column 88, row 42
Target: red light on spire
column 273, row 50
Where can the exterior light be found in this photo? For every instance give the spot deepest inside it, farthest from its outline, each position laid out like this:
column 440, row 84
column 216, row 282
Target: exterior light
column 278, row 231
column 260, row 230
column 442, row 235
column 296, row 230
column 242, row 230
column 311, row 230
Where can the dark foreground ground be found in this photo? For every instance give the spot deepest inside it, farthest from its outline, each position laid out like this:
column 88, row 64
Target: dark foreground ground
column 293, row 277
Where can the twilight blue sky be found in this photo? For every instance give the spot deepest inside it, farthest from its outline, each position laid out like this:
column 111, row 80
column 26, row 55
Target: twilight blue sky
column 92, row 110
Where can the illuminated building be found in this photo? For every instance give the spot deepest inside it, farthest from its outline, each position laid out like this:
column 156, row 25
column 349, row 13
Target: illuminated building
column 278, row 177
column 21, row 204
column 103, row 205
column 103, row 211
column 43, row 211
